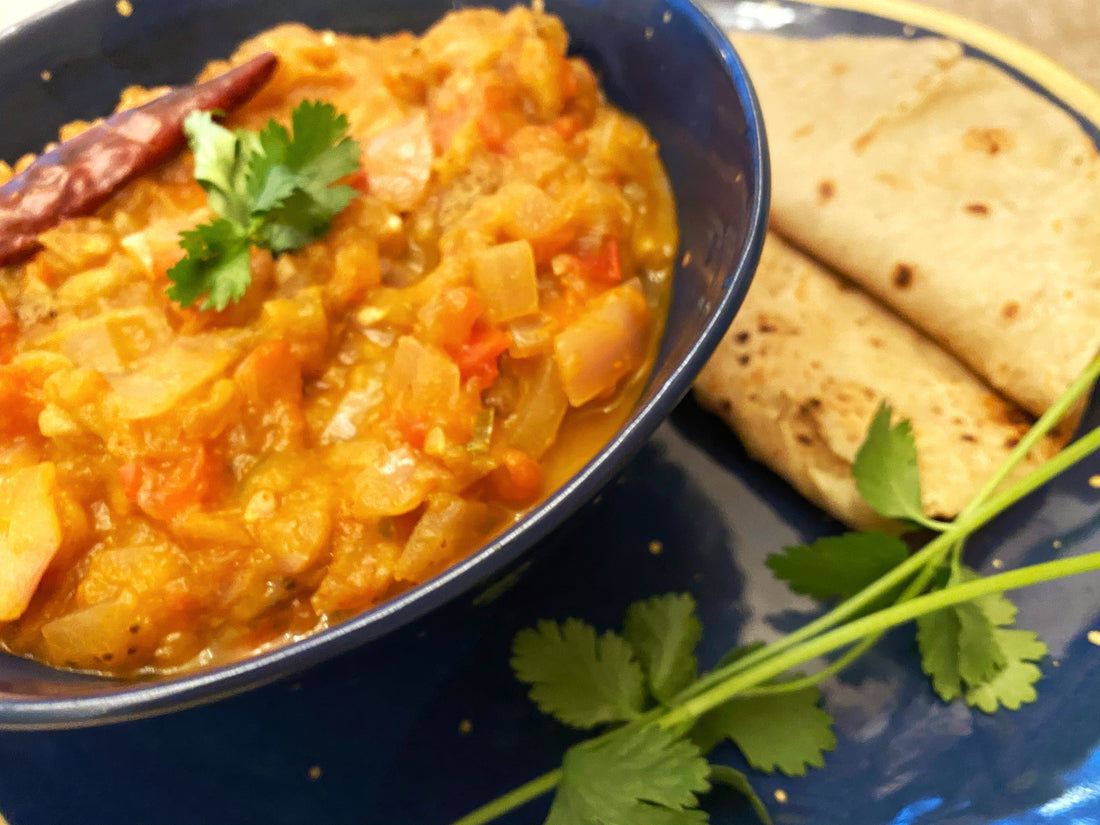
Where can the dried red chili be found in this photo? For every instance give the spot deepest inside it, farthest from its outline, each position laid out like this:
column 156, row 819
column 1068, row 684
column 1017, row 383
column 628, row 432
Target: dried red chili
column 74, row 178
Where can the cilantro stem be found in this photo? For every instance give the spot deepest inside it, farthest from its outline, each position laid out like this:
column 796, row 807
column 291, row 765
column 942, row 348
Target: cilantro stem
column 512, row 800
column 831, row 669
column 920, row 563
column 933, row 524
column 1039, row 429
column 874, row 625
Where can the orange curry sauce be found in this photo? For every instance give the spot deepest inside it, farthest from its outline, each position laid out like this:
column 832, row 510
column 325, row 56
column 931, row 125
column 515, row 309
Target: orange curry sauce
column 181, row 487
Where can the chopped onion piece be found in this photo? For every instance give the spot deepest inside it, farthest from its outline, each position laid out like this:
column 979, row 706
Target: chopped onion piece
column 30, row 534
column 604, row 345
column 505, row 277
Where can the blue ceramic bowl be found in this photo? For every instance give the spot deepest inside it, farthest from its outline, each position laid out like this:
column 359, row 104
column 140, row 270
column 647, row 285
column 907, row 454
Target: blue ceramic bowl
column 663, row 60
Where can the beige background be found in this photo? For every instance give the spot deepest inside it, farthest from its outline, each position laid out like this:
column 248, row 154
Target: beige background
column 1066, row 30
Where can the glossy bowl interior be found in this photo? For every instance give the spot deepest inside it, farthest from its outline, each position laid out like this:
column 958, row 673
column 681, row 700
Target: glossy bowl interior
column 662, row 60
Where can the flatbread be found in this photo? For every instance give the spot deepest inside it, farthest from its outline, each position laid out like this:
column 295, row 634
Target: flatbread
column 960, row 197
column 804, row 366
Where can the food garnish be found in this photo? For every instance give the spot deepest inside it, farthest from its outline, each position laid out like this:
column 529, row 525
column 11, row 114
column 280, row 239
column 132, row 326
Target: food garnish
column 659, row 717
column 76, row 177
column 273, row 189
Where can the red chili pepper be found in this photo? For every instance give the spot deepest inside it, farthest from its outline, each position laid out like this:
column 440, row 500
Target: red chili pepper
column 78, row 176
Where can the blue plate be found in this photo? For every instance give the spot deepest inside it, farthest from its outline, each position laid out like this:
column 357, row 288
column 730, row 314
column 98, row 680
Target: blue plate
column 428, row 723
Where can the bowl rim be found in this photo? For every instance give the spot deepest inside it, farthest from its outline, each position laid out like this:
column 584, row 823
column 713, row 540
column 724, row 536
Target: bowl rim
column 138, row 699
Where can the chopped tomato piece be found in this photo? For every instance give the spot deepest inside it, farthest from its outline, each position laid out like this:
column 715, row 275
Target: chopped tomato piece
column 129, row 476
column 604, row 266
column 19, row 402
column 518, row 479
column 360, row 181
column 413, row 431
column 164, row 488
column 477, row 358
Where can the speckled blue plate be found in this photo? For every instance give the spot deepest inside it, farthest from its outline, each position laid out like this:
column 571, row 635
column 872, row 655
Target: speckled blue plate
column 427, row 723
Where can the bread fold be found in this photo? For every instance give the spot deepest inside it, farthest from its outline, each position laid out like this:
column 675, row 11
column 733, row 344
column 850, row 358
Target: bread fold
column 804, row 366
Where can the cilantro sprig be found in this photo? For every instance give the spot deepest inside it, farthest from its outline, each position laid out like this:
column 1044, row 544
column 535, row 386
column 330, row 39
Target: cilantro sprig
column 659, row 718
column 273, row 189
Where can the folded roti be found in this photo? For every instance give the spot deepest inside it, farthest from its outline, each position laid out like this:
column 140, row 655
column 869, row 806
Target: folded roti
column 963, row 199
column 807, row 361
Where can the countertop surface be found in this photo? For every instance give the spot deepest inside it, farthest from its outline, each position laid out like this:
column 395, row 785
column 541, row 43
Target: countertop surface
column 1066, row 30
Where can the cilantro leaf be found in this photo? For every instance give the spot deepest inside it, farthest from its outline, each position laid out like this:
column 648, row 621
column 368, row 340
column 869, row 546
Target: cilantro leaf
column 275, row 189
column 837, row 567
column 644, row 776
column 664, row 632
column 301, row 219
column 980, row 657
column 1013, row 685
column 969, row 651
column 777, row 731
column 217, row 265
column 938, row 640
column 577, row 677
column 290, row 178
column 219, row 169
column 737, row 781
column 885, row 469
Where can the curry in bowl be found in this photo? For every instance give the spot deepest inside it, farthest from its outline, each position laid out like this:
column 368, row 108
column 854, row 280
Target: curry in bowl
column 188, row 478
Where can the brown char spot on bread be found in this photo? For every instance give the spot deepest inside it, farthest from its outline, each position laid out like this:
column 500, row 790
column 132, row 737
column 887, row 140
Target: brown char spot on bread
column 991, row 141
column 1010, row 310
column 809, row 406
column 903, row 276
column 826, row 189
column 969, row 438
column 743, row 360
column 860, row 144
column 1011, row 442
column 839, row 68
column 1001, row 412
column 805, row 439
column 894, row 181
column 977, row 209
column 765, row 326
column 741, row 337
column 877, row 343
